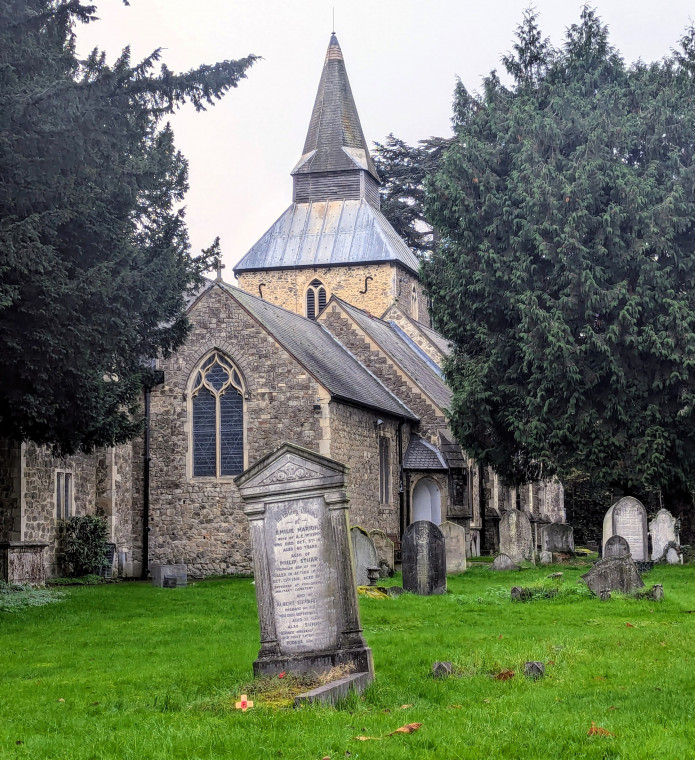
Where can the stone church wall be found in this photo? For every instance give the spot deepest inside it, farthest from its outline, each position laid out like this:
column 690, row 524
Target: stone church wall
column 380, row 365
column 199, row 521
column 287, row 287
column 355, row 441
column 404, row 291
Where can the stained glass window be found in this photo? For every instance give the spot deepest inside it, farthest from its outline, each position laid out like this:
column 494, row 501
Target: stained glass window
column 218, row 419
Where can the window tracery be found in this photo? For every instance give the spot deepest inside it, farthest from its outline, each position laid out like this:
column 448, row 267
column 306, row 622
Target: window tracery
column 315, row 299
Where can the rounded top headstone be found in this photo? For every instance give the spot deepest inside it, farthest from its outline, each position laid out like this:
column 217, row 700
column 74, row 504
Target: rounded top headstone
column 616, row 546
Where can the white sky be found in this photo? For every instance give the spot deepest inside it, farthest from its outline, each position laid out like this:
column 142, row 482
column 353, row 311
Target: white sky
column 402, row 58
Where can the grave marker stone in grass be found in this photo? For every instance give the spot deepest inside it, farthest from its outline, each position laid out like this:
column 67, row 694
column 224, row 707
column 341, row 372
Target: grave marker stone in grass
column 616, row 546
column 363, row 554
column 628, row 518
column 424, row 559
column 516, row 537
column 385, row 551
column 455, row 547
column 613, row 574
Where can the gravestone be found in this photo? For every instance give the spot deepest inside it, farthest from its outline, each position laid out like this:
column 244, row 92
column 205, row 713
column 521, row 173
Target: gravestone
column 455, row 547
column 363, row 555
column 674, row 556
column 424, row 559
column 516, row 537
column 384, row 552
column 557, row 538
column 628, row 518
column 305, row 582
column 664, row 530
column 503, row 562
column 177, row 575
column 546, row 558
column 613, row 574
column 616, row 546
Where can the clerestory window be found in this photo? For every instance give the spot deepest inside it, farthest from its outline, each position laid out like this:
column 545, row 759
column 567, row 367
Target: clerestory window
column 217, row 399
column 315, row 299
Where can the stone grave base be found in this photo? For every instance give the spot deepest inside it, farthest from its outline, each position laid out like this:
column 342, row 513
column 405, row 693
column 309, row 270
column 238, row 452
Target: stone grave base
column 360, row 659
column 176, row 576
column 21, row 562
column 331, row 692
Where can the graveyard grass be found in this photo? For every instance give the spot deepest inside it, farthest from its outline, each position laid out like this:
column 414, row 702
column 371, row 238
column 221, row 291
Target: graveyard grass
column 135, row 672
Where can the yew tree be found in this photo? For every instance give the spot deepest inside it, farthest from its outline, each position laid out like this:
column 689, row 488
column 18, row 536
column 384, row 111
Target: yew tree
column 565, row 276
column 95, row 261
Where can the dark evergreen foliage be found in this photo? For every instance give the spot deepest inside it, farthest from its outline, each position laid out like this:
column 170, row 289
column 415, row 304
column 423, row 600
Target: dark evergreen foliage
column 566, row 272
column 403, row 170
column 95, row 260
column 84, row 544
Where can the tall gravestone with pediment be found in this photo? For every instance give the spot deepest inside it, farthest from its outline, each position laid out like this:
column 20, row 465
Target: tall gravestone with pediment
column 363, row 555
column 628, row 518
column 424, row 559
column 516, row 536
column 663, row 530
column 297, row 507
column 455, row 545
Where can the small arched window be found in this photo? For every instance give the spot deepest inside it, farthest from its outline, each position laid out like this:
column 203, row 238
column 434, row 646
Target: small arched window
column 413, row 303
column 315, row 299
column 217, row 398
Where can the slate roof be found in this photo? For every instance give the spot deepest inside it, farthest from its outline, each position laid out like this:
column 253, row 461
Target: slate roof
column 333, row 366
column 422, row 455
column 335, row 141
column 402, row 354
column 434, row 337
column 326, row 233
column 452, row 451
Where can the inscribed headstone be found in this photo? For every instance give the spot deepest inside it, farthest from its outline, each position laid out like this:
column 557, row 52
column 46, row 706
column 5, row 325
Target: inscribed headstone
column 455, row 546
column 663, row 531
column 616, row 546
column 516, row 537
column 613, row 574
column 628, row 518
column 305, row 582
column 503, row 562
column 557, row 538
column 384, row 551
column 424, row 559
column 363, row 555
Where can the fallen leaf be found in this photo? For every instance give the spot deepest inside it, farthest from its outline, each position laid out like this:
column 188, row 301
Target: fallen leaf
column 405, row 707
column 629, row 625
column 550, row 662
column 500, row 636
column 505, row 675
column 325, row 757
column 612, row 707
column 598, row 731
column 409, row 728
column 455, row 707
column 61, row 700
column 366, row 738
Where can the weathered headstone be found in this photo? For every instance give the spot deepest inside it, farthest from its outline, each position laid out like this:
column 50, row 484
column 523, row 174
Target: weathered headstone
column 663, row 529
column 628, row 518
column 442, row 669
column 674, row 556
column 613, row 574
column 305, row 582
column 384, row 552
column 455, row 546
column 424, row 559
column 557, row 538
column 534, row 670
column 503, row 562
column 616, row 546
column 546, row 558
column 363, row 555
column 176, row 576
column 516, row 536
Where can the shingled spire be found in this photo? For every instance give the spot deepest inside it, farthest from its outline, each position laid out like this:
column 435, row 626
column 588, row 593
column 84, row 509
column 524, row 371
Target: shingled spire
column 335, row 162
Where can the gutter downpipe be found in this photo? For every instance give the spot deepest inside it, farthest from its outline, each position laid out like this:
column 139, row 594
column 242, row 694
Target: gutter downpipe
column 401, row 492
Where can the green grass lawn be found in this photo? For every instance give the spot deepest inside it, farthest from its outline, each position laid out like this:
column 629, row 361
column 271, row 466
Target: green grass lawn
column 141, row 673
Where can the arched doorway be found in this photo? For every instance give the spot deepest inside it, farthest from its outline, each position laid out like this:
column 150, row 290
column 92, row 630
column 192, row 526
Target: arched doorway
column 427, row 501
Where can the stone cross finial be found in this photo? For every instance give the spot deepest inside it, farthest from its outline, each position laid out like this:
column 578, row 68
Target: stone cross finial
column 220, row 267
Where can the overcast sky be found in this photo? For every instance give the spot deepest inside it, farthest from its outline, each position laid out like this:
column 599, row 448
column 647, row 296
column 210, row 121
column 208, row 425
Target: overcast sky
column 402, row 57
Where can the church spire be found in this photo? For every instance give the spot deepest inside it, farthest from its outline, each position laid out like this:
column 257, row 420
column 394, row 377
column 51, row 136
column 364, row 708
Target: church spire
column 335, row 141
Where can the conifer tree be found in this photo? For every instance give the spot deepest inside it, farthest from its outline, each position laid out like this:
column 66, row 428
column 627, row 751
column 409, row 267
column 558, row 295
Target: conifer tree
column 566, row 272
column 95, row 262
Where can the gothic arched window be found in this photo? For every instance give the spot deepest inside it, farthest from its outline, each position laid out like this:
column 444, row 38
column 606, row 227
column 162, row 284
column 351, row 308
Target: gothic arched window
column 315, row 299
column 413, row 303
column 217, row 403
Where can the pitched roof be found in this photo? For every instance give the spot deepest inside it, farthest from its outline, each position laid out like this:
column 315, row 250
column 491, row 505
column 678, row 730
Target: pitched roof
column 422, row 455
column 325, row 233
column 322, row 355
column 402, row 353
column 335, row 141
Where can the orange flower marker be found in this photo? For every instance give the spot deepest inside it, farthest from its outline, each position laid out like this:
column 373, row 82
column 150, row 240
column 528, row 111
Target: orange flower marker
column 244, row 703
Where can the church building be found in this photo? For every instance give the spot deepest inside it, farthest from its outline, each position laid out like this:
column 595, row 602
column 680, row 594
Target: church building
column 324, row 342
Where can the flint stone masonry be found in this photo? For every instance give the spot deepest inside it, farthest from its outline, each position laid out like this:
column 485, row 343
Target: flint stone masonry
column 503, row 562
column 516, row 537
column 613, row 574
column 455, row 545
column 628, row 518
column 664, row 530
column 305, row 582
column 384, row 551
column 616, row 546
column 557, row 538
column 424, row 559
column 363, row 555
